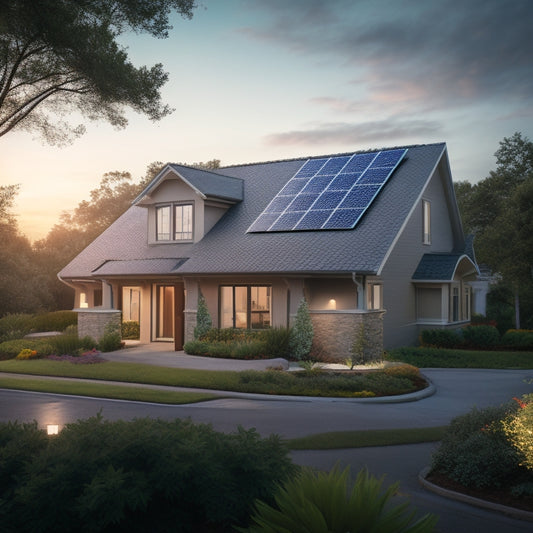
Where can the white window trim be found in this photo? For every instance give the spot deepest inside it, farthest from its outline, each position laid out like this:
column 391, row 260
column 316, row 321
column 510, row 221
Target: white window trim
column 426, row 222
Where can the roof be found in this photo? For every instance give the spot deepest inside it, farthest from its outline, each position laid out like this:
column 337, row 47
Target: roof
column 439, row 267
column 206, row 183
column 137, row 267
column 229, row 248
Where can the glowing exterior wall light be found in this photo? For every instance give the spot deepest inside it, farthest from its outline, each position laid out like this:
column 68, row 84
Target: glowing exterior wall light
column 332, row 304
column 52, row 429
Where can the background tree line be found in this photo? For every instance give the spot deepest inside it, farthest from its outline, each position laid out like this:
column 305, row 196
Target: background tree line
column 28, row 272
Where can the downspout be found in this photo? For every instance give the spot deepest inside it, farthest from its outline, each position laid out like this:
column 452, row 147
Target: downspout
column 361, row 300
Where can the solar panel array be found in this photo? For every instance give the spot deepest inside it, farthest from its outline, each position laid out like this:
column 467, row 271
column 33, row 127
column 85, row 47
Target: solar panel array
column 329, row 193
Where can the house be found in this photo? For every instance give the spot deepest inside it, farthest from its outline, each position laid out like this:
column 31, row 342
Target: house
column 371, row 238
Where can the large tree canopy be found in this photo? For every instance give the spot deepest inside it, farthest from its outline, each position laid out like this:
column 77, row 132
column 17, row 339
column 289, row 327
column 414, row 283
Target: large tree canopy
column 61, row 56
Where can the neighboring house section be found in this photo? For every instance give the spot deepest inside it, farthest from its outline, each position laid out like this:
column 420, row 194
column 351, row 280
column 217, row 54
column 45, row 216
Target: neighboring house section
column 371, row 238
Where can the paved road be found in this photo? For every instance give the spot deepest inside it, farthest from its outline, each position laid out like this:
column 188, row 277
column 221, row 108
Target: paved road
column 457, row 391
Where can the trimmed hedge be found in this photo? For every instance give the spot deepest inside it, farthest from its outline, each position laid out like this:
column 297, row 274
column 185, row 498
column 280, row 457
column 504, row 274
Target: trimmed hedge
column 518, row 338
column 145, row 475
column 474, row 336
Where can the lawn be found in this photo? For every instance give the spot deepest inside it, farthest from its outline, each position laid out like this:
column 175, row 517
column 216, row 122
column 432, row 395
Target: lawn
column 316, row 383
column 445, row 358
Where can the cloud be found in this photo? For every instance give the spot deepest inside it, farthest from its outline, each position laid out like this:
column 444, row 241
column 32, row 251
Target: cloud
column 350, row 134
column 447, row 53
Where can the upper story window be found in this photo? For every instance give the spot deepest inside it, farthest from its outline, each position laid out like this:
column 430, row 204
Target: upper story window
column 426, row 207
column 174, row 222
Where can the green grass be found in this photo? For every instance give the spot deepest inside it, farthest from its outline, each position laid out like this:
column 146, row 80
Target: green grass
column 445, row 358
column 102, row 390
column 263, row 382
column 373, row 437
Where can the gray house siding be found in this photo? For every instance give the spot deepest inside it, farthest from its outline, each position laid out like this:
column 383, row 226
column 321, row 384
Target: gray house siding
column 399, row 295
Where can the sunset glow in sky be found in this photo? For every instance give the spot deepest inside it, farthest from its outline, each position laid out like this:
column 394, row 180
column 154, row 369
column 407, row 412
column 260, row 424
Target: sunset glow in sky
column 257, row 80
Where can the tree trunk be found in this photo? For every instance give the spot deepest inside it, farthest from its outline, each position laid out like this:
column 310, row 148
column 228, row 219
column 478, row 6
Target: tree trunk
column 517, row 309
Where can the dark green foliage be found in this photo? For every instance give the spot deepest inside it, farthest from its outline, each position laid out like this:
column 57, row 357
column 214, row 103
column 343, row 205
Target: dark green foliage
column 203, row 318
column 522, row 339
column 145, row 475
column 301, row 333
column 10, row 349
column 15, row 326
column 475, row 451
column 71, row 344
column 443, row 358
column 440, row 338
column 131, row 330
column 480, row 336
column 241, row 344
column 54, row 321
column 111, row 340
column 326, row 502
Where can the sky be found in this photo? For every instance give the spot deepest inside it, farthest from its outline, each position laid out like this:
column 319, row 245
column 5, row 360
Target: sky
column 261, row 80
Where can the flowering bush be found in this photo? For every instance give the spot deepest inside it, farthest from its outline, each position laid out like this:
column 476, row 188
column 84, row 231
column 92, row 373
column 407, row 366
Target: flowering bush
column 27, row 353
column 86, row 358
column 519, row 430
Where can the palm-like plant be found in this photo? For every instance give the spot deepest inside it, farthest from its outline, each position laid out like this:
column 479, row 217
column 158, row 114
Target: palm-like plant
column 322, row 503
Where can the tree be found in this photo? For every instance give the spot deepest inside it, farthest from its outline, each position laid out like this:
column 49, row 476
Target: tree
column 60, row 56
column 301, row 337
column 498, row 211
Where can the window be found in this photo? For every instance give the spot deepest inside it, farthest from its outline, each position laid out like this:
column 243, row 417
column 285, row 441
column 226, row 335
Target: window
column 427, row 221
column 374, row 298
column 174, row 222
column 246, row 307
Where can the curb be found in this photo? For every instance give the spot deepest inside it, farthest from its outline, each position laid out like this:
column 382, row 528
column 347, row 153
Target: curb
column 513, row 512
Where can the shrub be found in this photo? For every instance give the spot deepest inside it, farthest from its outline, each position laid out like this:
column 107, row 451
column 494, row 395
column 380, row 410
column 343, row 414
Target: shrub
column 480, row 336
column 518, row 338
column 301, row 338
column 15, row 326
column 203, row 318
column 71, row 344
column 475, row 451
column 10, row 349
column 518, row 429
column 144, row 475
column 111, row 339
column 277, row 341
column 54, row 321
column 131, row 330
column 440, row 338
column 27, row 353
column 403, row 371
column 323, row 502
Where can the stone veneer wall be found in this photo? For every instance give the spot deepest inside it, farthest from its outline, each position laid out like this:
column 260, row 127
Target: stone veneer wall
column 92, row 322
column 190, row 324
column 335, row 332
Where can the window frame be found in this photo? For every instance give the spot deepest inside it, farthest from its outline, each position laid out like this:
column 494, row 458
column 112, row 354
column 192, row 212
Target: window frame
column 249, row 308
column 173, row 207
column 426, row 222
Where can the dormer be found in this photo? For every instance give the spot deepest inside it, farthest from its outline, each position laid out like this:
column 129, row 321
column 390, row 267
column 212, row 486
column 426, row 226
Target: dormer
column 184, row 203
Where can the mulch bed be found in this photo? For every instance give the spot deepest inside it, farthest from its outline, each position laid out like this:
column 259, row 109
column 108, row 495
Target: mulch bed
column 501, row 496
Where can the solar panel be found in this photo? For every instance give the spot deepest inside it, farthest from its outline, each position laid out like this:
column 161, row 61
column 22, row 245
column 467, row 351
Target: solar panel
column 329, row 193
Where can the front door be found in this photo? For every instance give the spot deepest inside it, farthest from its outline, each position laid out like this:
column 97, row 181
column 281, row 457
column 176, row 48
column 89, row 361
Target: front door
column 165, row 313
column 169, row 317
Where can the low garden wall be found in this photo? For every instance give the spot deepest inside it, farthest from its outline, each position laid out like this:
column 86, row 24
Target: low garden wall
column 92, row 322
column 336, row 331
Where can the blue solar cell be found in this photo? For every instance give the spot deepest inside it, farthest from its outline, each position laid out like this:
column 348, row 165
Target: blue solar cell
column 313, row 220
column 311, row 167
column 264, row 222
column 294, row 186
column 334, row 165
column 287, row 221
column 343, row 219
column 388, row 158
column 359, row 197
column 374, row 175
column 359, row 162
column 278, row 204
column 329, row 200
column 317, row 184
column 344, row 182
column 329, row 193
column 302, row 202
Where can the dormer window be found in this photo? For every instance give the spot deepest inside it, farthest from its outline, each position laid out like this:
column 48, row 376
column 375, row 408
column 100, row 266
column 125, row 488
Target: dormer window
column 174, row 222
